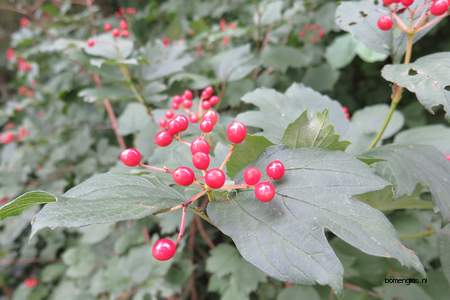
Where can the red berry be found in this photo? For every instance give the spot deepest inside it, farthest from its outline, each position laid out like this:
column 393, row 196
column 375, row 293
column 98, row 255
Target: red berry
column 183, row 121
column 91, row 43
column 206, row 126
column 7, row 137
column 164, row 249
column 169, row 114
column 252, row 176
column 107, row 27
column 264, row 191
column 188, row 95
column 187, row 103
column 31, row 282
column 407, row 3
column 24, row 22
column 163, row 139
column 215, row 178
column 385, row 23
column 163, row 123
column 207, row 93
column 131, row 157
column 200, row 160
column 177, row 99
column 439, row 7
column 193, row 118
column 10, row 55
column 236, row 132
column 123, row 25
column 200, row 145
column 214, row 100
column 448, row 157
column 125, row 33
column 174, row 127
column 275, row 170
column 211, row 116
column 116, row 32
column 388, row 2
column 183, row 176
column 206, row 105
column 131, row 10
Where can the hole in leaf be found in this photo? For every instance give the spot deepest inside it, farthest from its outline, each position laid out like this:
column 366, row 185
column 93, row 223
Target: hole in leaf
column 447, row 88
column 351, row 23
column 363, row 14
column 375, row 2
column 412, row 72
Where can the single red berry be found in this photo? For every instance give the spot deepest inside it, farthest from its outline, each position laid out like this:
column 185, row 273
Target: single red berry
column 188, row 95
column 163, row 139
column 131, row 157
column 164, row 249
column 200, row 145
column 175, row 105
column 163, row 123
column 90, row 43
column 183, row 121
column 187, row 103
column 215, row 178
column 169, row 114
column 31, row 282
column 107, row 27
column 388, row 2
column 177, row 99
column 24, row 22
column 7, row 137
column 193, row 118
column 207, row 93
column 275, row 170
column 206, row 105
column 123, row 25
column 183, row 176
column 252, row 176
column 214, row 100
column 439, row 7
column 116, row 32
column 206, row 126
column 407, row 3
column 10, row 54
column 385, row 23
column 211, row 116
column 236, row 132
column 173, row 127
column 131, row 10
column 125, row 33
column 448, row 157
column 200, row 160
column 264, row 191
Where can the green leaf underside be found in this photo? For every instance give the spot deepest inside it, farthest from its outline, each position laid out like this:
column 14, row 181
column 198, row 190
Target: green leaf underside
column 246, row 153
column 286, row 237
column 316, row 132
column 16, row 206
column 405, row 166
column 428, row 77
column 277, row 110
column 107, row 198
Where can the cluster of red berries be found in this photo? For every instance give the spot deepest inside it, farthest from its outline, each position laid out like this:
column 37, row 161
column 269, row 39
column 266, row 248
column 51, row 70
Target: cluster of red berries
column 8, row 135
column 224, row 26
column 122, row 11
column 173, row 125
column 121, row 31
column 435, row 8
column 314, row 32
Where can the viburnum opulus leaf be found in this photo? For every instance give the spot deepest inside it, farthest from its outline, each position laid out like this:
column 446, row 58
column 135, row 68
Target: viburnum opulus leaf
column 286, row 237
column 23, row 202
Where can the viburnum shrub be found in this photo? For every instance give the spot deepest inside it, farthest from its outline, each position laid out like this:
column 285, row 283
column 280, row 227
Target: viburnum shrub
column 229, row 149
column 177, row 120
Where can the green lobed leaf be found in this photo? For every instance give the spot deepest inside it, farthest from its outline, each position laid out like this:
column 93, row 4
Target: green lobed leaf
column 109, row 47
column 321, row 78
column 405, row 166
column 133, row 119
column 315, row 194
column 233, row 64
column 316, row 132
column 16, row 206
column 434, row 135
column 107, row 198
column 428, row 77
column 341, row 52
column 280, row 57
column 245, row 153
column 277, row 110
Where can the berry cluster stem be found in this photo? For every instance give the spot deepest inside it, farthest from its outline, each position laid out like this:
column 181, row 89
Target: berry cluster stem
column 397, row 93
column 113, row 121
column 227, row 158
column 126, row 74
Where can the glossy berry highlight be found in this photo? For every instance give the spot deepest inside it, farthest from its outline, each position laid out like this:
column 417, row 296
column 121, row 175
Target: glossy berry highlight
column 200, row 145
column 131, row 157
column 183, row 176
column 385, row 23
column 163, row 139
column 200, row 160
column 215, row 178
column 264, row 191
column 252, row 176
column 236, row 132
column 439, row 7
column 164, row 249
column 275, row 170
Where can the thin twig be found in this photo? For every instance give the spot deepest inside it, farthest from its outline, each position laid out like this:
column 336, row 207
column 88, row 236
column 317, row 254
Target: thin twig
column 203, row 233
